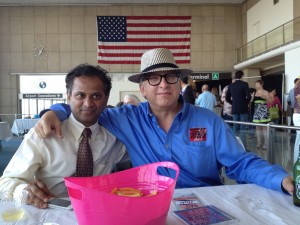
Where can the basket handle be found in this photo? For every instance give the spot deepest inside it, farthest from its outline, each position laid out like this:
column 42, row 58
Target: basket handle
column 167, row 164
column 73, row 191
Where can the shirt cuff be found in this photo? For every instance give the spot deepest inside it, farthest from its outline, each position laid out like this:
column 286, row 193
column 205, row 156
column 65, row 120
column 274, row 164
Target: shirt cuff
column 18, row 193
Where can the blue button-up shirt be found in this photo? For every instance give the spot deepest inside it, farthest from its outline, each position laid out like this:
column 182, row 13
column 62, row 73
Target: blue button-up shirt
column 198, row 141
column 291, row 98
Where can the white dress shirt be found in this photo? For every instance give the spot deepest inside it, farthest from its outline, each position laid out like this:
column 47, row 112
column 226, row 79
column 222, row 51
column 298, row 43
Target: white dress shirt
column 52, row 159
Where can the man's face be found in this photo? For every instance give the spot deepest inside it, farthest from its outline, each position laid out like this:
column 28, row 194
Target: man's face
column 87, row 99
column 163, row 95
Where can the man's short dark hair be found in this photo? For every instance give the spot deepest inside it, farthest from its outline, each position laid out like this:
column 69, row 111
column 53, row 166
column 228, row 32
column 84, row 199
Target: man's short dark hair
column 296, row 80
column 238, row 74
column 89, row 71
column 185, row 80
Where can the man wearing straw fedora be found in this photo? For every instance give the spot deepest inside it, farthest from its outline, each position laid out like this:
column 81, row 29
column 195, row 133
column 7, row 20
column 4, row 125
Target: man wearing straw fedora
column 164, row 128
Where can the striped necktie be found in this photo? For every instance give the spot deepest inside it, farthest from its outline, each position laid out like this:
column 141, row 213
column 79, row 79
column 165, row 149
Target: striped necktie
column 84, row 165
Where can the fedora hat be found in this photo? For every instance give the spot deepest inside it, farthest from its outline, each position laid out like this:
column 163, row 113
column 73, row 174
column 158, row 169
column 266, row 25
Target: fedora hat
column 155, row 60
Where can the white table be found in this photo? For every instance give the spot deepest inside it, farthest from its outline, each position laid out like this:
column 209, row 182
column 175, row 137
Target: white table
column 20, row 125
column 249, row 203
column 5, row 133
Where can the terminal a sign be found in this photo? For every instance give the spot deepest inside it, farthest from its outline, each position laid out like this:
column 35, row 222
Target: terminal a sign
column 43, row 96
column 207, row 76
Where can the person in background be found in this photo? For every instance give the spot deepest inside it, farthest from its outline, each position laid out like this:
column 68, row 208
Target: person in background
column 218, row 107
column 238, row 95
column 187, row 91
column 119, row 104
column 261, row 113
column 165, row 128
column 40, row 165
column 291, row 101
column 290, row 109
column 197, row 94
column 206, row 99
column 131, row 99
column 296, row 118
column 276, row 103
column 251, row 129
column 227, row 107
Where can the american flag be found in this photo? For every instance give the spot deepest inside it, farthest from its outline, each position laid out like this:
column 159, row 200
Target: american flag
column 123, row 39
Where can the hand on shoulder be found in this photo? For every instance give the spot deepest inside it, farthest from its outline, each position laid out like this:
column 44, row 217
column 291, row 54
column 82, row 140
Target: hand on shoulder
column 48, row 125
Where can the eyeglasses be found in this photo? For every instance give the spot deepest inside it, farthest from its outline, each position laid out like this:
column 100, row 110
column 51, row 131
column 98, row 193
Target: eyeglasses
column 154, row 80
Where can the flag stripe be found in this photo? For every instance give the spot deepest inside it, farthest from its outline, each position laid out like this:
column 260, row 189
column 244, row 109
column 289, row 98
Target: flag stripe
column 122, row 40
column 135, row 60
column 150, row 36
column 160, row 32
column 118, row 55
column 157, row 25
column 160, row 18
column 159, row 29
column 142, row 50
column 157, row 39
column 133, row 46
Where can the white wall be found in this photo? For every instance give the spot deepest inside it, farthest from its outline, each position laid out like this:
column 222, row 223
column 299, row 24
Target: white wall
column 268, row 16
column 292, row 67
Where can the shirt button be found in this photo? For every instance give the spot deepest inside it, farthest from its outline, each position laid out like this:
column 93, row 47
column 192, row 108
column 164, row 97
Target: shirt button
column 167, row 146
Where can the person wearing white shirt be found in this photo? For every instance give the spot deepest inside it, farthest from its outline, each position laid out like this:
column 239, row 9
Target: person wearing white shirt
column 40, row 165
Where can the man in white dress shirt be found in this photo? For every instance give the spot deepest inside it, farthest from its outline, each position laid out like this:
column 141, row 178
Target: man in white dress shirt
column 40, row 165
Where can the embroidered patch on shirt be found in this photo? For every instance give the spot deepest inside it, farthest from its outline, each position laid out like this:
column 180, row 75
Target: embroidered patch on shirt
column 197, row 134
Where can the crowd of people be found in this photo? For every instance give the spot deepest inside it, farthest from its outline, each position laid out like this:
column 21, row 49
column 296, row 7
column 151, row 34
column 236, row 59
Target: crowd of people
column 239, row 102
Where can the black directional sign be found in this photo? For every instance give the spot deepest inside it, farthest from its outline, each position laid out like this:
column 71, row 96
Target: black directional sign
column 206, row 76
column 43, row 96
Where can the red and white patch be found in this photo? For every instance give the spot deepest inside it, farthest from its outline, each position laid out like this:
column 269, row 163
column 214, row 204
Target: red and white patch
column 197, row 134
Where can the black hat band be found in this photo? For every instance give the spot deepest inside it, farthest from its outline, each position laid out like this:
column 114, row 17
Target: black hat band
column 159, row 65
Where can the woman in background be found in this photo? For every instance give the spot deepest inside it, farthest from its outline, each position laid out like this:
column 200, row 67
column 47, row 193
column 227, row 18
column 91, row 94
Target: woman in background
column 276, row 103
column 261, row 113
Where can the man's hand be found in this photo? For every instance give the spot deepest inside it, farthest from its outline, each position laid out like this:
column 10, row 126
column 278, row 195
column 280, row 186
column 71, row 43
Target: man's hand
column 48, row 125
column 287, row 184
column 38, row 194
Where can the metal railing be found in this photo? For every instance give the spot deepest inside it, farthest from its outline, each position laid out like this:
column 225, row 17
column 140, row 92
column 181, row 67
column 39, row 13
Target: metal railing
column 280, row 36
column 280, row 142
column 280, row 139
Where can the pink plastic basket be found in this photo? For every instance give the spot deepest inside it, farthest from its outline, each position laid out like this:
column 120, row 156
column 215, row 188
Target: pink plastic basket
column 95, row 205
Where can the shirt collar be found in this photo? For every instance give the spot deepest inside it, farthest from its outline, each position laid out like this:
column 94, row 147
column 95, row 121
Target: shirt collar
column 76, row 128
column 183, row 89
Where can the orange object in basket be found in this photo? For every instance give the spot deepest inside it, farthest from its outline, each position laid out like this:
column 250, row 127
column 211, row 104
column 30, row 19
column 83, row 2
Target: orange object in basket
column 131, row 192
column 127, row 191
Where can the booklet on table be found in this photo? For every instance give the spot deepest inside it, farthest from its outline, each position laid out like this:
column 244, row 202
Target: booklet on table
column 205, row 215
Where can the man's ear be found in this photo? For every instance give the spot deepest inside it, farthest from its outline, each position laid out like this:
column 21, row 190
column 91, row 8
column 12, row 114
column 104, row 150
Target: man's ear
column 142, row 89
column 68, row 97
